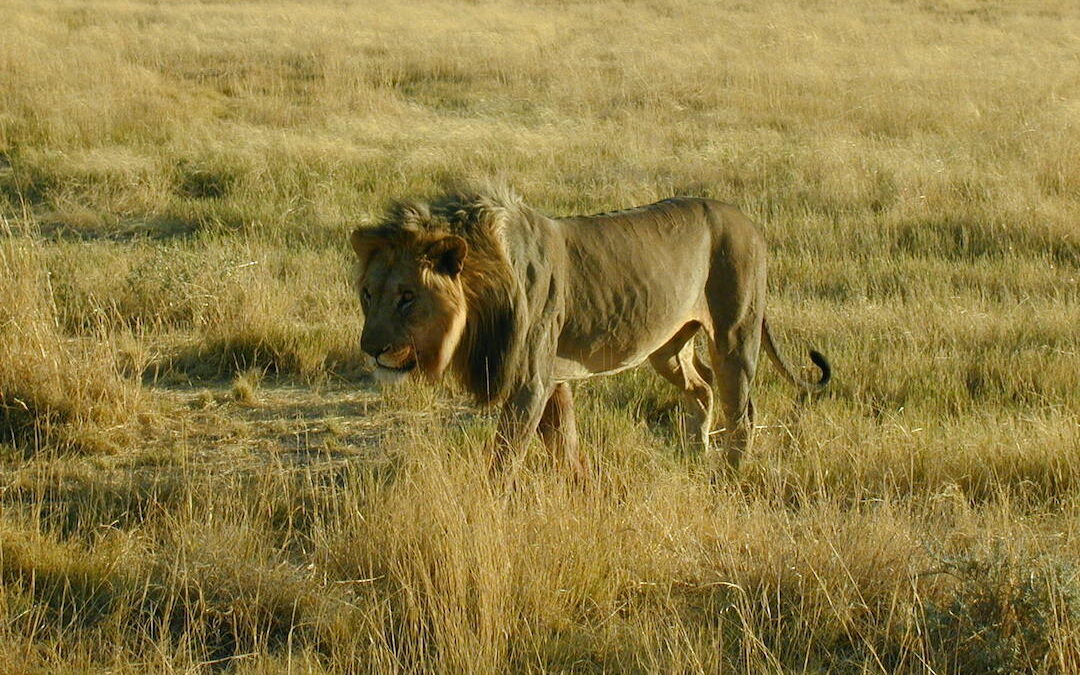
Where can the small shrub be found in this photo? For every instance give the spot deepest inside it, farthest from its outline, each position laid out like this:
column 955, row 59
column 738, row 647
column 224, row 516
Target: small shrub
column 1004, row 612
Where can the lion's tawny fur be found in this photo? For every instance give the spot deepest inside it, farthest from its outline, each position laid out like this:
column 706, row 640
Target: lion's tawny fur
column 548, row 301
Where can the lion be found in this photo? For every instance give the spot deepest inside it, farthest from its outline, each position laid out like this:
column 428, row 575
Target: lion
column 518, row 305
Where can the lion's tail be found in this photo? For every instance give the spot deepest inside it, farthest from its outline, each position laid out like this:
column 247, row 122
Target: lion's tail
column 817, row 357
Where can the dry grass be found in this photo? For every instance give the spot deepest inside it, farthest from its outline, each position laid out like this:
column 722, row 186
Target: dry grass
column 56, row 390
column 197, row 474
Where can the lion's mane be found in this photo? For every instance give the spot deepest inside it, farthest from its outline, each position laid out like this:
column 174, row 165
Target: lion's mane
column 489, row 359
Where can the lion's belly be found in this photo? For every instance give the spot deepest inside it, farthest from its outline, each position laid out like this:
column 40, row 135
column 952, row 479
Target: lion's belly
column 566, row 369
column 606, row 344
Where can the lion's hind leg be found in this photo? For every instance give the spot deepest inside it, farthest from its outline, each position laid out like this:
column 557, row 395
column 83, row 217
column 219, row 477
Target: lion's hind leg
column 675, row 362
column 734, row 364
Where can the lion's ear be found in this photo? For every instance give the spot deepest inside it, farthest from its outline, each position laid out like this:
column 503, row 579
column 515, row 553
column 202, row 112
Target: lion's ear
column 365, row 241
column 447, row 255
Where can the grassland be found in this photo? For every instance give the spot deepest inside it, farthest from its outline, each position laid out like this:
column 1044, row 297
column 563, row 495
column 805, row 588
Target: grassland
column 196, row 473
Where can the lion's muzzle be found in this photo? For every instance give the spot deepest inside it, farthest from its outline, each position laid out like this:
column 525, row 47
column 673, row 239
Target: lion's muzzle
column 396, row 358
column 395, row 365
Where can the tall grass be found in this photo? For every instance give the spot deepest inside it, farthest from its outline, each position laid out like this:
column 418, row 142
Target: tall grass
column 56, row 390
column 197, row 474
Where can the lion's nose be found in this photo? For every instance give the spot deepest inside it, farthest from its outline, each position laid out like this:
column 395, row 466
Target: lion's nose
column 372, row 346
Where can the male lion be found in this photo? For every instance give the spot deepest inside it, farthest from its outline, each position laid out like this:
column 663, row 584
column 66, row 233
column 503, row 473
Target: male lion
column 517, row 305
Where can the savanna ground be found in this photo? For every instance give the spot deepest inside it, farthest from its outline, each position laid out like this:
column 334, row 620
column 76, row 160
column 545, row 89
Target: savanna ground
column 198, row 474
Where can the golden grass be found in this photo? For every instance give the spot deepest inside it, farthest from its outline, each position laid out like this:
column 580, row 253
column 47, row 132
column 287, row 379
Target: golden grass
column 56, row 390
column 197, row 474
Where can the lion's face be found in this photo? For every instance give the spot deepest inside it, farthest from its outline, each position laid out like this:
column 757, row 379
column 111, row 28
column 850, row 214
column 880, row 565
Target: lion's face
column 414, row 306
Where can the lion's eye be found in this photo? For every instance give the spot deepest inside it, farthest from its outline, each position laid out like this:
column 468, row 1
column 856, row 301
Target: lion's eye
column 406, row 299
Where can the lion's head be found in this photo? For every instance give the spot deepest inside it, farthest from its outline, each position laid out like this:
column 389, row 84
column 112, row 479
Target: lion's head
column 414, row 305
column 437, row 289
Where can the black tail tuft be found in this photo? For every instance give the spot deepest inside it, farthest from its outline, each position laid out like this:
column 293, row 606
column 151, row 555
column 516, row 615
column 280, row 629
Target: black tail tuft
column 826, row 370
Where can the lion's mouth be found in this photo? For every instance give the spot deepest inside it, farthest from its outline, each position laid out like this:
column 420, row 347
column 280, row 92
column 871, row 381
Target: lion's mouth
column 393, row 376
column 406, row 368
column 396, row 371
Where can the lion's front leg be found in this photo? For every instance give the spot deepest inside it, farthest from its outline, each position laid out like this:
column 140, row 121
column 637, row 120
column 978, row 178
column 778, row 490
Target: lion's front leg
column 558, row 429
column 517, row 422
